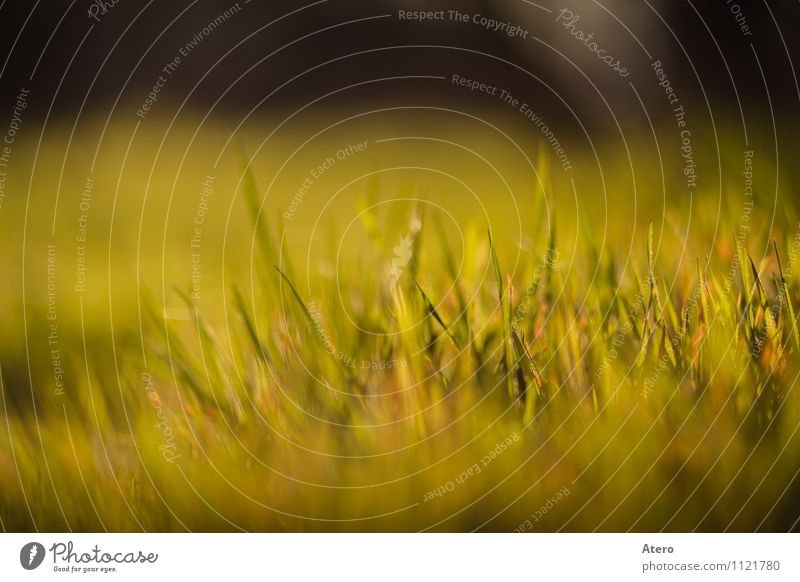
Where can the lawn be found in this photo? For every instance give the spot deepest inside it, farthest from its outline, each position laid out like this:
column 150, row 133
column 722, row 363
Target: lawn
column 396, row 335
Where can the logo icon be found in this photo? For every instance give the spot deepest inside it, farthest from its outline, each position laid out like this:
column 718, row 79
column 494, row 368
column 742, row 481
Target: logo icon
column 31, row 555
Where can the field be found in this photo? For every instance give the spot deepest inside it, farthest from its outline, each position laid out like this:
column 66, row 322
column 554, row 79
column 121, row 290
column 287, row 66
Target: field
column 505, row 351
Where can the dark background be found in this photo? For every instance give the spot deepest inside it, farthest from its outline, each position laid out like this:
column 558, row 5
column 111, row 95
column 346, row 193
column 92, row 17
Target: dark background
column 49, row 48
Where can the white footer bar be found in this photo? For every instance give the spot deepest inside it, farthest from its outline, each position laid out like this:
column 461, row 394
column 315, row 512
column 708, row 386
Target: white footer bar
column 401, row 557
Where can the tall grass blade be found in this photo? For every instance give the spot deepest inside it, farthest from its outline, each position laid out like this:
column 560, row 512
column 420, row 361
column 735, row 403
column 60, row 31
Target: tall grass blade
column 787, row 299
column 505, row 311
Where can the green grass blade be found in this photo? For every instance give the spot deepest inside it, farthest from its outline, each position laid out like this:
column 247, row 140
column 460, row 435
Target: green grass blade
column 703, row 290
column 526, row 355
column 300, row 301
column 250, row 325
column 253, row 202
column 787, row 299
column 505, row 311
column 431, row 310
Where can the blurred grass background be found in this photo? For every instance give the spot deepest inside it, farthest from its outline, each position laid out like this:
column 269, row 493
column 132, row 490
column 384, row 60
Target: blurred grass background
column 269, row 432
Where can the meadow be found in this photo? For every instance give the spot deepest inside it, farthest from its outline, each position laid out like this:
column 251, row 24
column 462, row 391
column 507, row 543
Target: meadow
column 396, row 355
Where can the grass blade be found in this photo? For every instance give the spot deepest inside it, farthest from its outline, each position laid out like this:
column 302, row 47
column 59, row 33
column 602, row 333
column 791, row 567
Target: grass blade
column 787, row 299
column 508, row 355
column 300, row 301
column 431, row 310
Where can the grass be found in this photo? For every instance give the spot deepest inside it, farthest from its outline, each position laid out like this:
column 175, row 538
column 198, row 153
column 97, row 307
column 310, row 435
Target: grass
column 474, row 393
